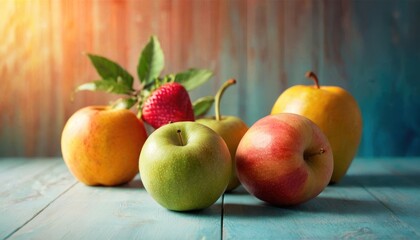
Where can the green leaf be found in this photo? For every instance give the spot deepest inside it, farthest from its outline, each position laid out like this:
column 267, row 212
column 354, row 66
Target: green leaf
column 106, row 85
column 110, row 70
column 124, row 103
column 193, row 78
column 151, row 61
column 202, row 105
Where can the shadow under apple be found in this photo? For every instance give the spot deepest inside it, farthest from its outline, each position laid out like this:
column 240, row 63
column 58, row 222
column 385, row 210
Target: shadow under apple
column 380, row 180
column 320, row 204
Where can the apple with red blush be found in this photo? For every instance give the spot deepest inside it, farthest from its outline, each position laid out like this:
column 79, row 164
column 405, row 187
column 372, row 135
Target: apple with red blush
column 284, row 159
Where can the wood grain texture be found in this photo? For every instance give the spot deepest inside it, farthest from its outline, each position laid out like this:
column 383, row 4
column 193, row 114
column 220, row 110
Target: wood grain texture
column 124, row 212
column 395, row 185
column 368, row 47
column 27, row 188
column 378, row 199
column 372, row 202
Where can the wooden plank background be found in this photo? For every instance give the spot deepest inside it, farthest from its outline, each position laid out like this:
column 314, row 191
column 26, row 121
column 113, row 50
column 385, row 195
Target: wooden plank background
column 369, row 47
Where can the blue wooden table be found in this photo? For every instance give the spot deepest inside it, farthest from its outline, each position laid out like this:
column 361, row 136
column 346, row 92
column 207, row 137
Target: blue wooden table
column 40, row 199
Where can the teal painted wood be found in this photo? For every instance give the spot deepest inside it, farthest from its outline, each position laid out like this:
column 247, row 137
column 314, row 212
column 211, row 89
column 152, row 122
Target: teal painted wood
column 367, row 47
column 378, row 199
column 8, row 164
column 27, row 188
column 396, row 185
column 350, row 209
column 124, row 212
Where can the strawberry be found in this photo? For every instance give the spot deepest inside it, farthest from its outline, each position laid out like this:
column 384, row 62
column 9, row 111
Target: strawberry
column 168, row 103
column 160, row 99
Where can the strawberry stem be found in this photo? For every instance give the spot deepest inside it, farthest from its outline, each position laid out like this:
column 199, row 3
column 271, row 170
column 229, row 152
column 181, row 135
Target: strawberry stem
column 311, row 75
column 219, row 96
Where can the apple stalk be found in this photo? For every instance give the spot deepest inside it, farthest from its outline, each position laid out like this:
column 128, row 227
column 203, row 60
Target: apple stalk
column 320, row 152
column 219, row 96
column 312, row 75
column 181, row 141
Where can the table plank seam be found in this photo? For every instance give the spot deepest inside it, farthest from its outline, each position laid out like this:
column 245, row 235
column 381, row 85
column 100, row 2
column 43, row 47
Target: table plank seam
column 394, row 214
column 40, row 211
column 222, row 216
column 376, row 200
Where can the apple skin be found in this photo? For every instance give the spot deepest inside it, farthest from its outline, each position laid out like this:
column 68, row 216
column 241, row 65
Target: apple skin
column 185, row 176
column 335, row 111
column 231, row 129
column 280, row 161
column 101, row 146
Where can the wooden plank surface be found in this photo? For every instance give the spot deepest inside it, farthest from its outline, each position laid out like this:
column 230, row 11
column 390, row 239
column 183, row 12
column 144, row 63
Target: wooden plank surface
column 27, row 188
column 124, row 212
column 396, row 185
column 378, row 199
column 371, row 202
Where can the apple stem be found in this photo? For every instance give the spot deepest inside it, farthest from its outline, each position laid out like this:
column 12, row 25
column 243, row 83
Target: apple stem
column 320, row 152
column 312, row 75
column 180, row 137
column 218, row 97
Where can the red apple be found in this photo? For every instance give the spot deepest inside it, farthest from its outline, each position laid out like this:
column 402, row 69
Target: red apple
column 284, row 159
column 334, row 111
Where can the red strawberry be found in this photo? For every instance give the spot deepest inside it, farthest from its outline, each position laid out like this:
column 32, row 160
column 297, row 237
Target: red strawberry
column 169, row 103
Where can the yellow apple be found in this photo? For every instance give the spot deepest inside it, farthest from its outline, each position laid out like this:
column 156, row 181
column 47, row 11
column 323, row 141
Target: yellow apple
column 230, row 128
column 334, row 110
column 101, row 145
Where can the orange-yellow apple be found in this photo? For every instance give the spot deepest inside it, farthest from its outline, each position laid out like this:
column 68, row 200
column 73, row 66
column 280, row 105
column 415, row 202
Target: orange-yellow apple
column 284, row 159
column 334, row 110
column 230, row 128
column 101, row 145
column 185, row 166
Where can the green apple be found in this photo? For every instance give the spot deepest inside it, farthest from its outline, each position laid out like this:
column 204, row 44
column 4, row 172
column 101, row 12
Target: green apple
column 230, row 128
column 185, row 166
